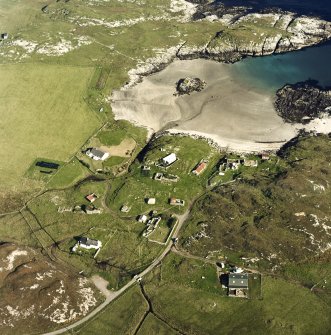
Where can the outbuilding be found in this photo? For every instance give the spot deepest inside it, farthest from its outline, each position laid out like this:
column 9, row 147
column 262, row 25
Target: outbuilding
column 91, row 197
column 199, row 168
column 142, row 218
column 176, row 202
column 151, row 201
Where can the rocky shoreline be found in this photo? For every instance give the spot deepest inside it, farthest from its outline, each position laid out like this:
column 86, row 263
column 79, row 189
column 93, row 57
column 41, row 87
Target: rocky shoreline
column 284, row 32
column 303, row 102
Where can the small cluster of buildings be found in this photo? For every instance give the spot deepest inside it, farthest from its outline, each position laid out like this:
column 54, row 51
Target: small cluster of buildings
column 86, row 242
column 151, row 224
column 166, row 162
column 235, row 163
column 87, row 209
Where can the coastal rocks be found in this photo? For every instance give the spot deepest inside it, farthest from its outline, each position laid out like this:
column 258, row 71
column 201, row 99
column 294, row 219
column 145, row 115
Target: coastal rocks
column 277, row 33
column 240, row 34
column 188, row 85
column 206, row 9
column 152, row 65
column 302, row 102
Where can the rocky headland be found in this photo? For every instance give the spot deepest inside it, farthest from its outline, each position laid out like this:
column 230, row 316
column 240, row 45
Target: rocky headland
column 240, row 34
column 303, row 102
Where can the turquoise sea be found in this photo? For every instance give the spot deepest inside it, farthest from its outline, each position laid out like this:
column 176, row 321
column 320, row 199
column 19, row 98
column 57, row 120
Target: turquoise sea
column 272, row 72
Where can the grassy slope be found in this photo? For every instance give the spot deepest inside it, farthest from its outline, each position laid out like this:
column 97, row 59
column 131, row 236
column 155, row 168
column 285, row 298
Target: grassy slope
column 253, row 215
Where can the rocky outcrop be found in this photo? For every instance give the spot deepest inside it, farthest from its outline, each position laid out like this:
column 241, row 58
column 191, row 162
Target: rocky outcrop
column 189, row 85
column 276, row 33
column 302, row 102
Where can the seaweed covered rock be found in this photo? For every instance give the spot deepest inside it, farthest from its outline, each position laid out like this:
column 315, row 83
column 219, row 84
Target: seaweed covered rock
column 188, row 85
column 302, row 102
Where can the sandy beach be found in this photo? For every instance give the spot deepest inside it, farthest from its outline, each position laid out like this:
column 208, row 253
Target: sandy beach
column 235, row 115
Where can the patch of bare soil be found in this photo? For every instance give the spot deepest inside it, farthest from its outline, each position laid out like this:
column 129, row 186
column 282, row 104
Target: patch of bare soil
column 37, row 294
column 124, row 149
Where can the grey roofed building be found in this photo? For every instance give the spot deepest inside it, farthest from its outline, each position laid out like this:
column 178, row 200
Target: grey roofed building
column 238, row 280
column 88, row 241
column 97, row 153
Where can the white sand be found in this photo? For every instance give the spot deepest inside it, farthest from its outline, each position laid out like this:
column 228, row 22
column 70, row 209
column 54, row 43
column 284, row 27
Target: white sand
column 233, row 114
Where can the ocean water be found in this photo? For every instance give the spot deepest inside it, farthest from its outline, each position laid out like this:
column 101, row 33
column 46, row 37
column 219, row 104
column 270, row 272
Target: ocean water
column 272, row 72
column 321, row 8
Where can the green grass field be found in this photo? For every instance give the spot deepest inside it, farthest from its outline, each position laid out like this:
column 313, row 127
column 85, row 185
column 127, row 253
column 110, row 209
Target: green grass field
column 43, row 114
column 120, row 317
column 152, row 325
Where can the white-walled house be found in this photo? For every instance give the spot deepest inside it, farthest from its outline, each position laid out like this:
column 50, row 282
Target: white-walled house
column 170, row 159
column 87, row 243
column 97, row 154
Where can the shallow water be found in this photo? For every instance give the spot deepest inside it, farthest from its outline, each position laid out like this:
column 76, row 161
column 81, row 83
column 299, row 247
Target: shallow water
column 272, row 72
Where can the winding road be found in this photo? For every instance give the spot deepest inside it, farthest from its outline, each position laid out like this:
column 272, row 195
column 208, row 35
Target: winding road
column 181, row 219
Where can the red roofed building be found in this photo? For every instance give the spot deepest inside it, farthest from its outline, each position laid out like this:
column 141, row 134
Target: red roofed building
column 199, row 168
column 91, row 197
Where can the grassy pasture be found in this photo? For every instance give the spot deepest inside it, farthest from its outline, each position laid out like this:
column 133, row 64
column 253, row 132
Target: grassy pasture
column 43, row 114
column 16, row 14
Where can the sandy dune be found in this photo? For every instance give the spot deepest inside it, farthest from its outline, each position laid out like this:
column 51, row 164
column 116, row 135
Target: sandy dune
column 235, row 115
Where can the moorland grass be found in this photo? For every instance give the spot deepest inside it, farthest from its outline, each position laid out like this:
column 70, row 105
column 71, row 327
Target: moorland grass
column 152, row 325
column 286, row 308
